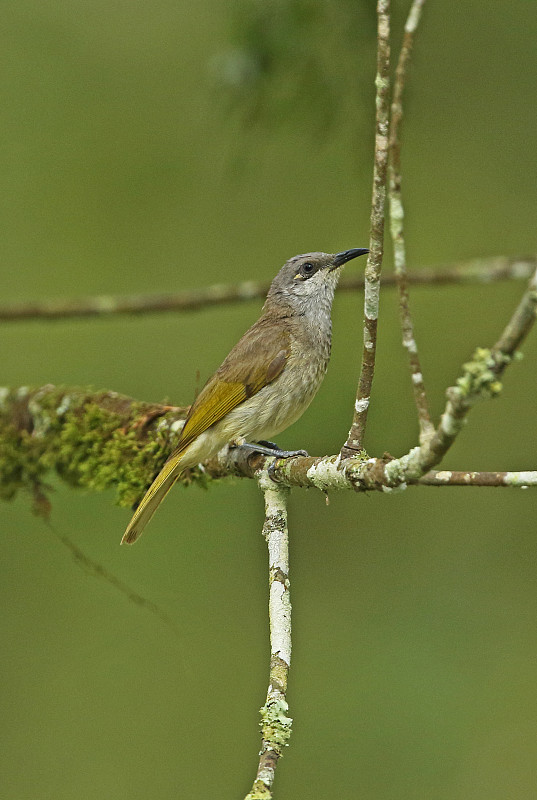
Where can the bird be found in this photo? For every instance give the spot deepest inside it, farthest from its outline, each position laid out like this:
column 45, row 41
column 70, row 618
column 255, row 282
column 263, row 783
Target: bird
column 266, row 382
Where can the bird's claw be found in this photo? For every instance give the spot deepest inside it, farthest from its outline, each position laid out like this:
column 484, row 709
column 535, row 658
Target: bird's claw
column 271, row 449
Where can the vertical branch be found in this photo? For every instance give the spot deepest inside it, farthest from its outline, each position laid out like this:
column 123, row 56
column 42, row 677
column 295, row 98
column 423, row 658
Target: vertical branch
column 396, row 223
column 275, row 724
column 355, row 438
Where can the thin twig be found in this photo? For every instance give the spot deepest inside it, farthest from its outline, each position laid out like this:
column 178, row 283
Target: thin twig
column 374, row 262
column 486, row 270
column 98, row 571
column 275, row 724
column 111, row 305
column 396, row 223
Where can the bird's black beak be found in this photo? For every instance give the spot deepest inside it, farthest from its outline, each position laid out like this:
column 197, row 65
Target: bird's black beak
column 347, row 255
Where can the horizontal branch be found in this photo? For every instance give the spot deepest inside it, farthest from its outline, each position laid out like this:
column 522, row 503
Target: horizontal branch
column 476, row 271
column 103, row 440
column 360, row 473
column 456, row 478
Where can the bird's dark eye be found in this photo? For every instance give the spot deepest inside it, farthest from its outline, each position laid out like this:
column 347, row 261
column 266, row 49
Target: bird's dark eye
column 307, row 269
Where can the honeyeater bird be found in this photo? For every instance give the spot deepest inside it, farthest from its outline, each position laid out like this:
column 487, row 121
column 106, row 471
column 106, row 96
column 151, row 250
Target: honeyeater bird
column 268, row 379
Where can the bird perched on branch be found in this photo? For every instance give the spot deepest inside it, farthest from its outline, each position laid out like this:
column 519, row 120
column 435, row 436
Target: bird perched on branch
column 268, row 379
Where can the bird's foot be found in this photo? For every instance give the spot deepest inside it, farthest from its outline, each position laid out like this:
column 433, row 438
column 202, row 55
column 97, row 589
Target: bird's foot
column 271, row 449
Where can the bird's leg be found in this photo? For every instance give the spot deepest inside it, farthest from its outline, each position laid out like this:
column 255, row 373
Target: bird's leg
column 271, row 449
column 275, row 450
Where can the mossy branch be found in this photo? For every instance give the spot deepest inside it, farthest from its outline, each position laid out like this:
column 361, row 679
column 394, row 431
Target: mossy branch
column 92, row 440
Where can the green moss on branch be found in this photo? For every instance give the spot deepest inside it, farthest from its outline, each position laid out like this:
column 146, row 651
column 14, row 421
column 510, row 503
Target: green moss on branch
column 92, row 440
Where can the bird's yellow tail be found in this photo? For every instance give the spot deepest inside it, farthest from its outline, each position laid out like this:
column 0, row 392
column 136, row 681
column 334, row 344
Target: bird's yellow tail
column 153, row 498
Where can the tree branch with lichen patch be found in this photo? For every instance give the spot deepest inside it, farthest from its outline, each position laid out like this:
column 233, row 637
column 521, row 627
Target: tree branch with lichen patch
column 275, row 724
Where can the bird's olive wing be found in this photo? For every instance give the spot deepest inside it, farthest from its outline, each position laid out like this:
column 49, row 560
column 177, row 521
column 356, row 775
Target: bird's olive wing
column 256, row 360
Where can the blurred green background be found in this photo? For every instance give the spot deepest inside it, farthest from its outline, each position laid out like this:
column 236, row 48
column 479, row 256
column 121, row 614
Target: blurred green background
column 129, row 165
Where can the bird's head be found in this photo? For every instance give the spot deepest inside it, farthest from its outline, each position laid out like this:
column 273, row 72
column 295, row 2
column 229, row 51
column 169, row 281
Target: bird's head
column 309, row 280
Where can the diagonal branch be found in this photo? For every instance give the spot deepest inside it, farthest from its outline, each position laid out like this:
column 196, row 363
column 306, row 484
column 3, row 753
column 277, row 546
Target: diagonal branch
column 480, row 381
column 275, row 724
column 396, row 223
column 356, row 435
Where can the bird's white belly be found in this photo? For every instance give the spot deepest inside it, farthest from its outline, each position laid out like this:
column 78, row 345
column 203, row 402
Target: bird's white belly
column 275, row 407
column 262, row 416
